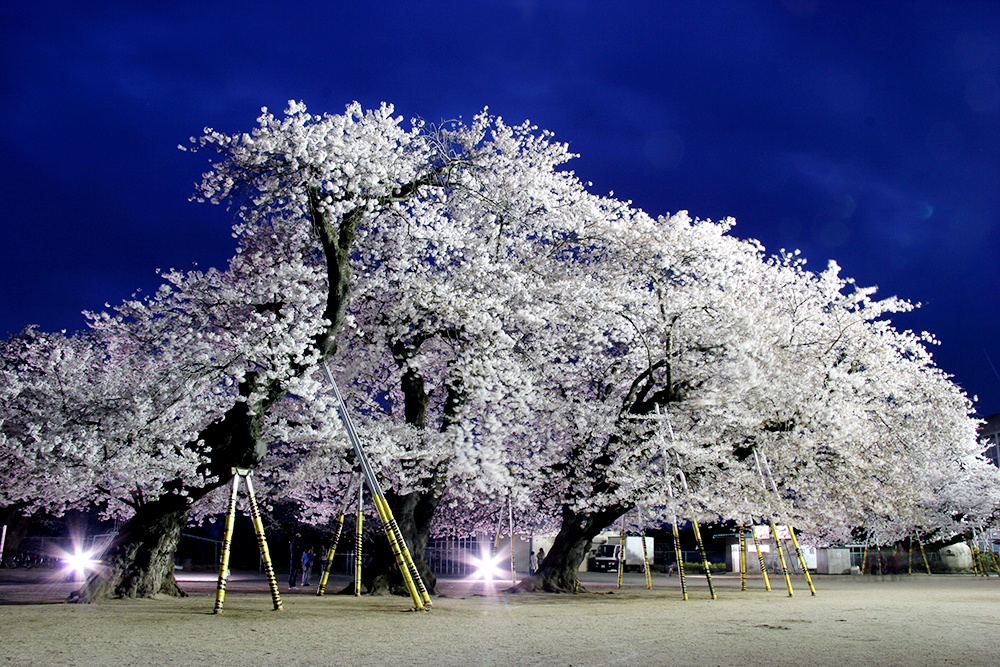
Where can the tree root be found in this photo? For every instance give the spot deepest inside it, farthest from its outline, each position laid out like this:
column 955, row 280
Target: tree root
column 537, row 584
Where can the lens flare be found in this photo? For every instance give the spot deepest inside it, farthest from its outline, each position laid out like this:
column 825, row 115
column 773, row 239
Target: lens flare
column 488, row 568
column 79, row 563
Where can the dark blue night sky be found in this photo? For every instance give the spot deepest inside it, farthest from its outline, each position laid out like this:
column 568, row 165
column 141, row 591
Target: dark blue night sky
column 865, row 132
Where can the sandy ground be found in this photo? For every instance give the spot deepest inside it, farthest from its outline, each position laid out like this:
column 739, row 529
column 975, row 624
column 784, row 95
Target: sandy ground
column 907, row 621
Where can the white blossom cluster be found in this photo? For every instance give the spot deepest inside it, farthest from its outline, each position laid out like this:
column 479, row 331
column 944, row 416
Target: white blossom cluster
column 508, row 337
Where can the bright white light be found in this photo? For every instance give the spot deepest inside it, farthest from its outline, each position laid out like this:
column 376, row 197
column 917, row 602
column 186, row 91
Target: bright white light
column 80, row 563
column 488, row 568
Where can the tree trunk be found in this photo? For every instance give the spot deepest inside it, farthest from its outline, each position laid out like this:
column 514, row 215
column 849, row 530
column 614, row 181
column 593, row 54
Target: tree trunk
column 557, row 573
column 413, row 513
column 139, row 562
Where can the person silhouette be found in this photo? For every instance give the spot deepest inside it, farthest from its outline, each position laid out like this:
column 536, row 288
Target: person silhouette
column 294, row 561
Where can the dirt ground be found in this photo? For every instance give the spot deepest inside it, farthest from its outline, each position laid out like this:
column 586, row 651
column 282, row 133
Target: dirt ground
column 907, row 621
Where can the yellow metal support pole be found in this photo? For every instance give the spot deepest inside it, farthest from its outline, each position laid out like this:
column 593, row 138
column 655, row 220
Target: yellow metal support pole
column 408, row 559
column 989, row 549
column 760, row 456
column 391, row 531
column 621, row 555
column 496, row 544
column 802, row 560
column 397, row 550
column 864, row 560
column 404, row 560
column 760, row 557
column 510, row 525
column 781, row 557
column 227, row 541
column 680, row 560
column 704, row 558
column 513, row 565
column 679, row 555
column 982, row 554
column 338, row 527
column 359, row 532
column 977, row 561
column 993, row 557
column 697, row 532
column 258, row 526
column 924, row 554
column 645, row 560
column 496, row 541
column 743, row 558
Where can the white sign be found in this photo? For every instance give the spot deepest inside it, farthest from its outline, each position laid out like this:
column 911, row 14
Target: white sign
column 763, row 533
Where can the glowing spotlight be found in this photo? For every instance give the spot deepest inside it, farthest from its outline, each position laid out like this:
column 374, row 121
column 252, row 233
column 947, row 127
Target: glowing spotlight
column 488, row 568
column 79, row 564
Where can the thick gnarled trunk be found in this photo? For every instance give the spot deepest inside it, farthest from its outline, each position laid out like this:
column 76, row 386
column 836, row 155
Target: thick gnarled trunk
column 139, row 562
column 558, row 572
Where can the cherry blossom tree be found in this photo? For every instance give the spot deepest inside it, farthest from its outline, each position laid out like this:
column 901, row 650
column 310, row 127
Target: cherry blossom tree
column 854, row 432
column 309, row 191
column 124, row 405
column 431, row 345
column 654, row 323
column 504, row 336
column 710, row 357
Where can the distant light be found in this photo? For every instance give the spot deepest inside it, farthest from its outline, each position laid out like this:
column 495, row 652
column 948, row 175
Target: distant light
column 488, row 568
column 80, row 563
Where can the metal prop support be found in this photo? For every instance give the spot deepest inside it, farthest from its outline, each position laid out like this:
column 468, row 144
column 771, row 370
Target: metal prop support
column 993, row 557
column 645, row 559
column 338, row 528
column 978, row 560
column 760, row 557
column 414, row 584
column 924, row 554
column 510, row 525
column 495, row 549
column 621, row 553
column 791, row 531
column 774, row 530
column 359, row 533
column 743, row 558
column 678, row 554
column 697, row 537
column 227, row 542
column 987, row 536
